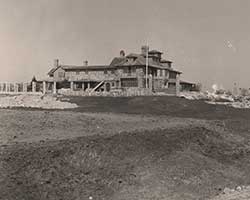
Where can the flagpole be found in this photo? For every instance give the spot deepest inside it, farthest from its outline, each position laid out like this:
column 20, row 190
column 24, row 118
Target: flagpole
column 147, row 65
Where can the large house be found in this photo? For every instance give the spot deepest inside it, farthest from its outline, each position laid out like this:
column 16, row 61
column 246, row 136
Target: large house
column 147, row 69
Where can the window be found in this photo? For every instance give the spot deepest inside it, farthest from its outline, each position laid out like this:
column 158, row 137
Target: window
column 172, row 75
column 129, row 82
column 61, row 74
column 77, row 72
column 161, row 72
column 112, row 71
column 113, row 84
column 105, row 71
column 129, row 70
column 86, row 71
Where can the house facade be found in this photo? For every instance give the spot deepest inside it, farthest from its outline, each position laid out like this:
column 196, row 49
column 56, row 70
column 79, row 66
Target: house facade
column 147, row 69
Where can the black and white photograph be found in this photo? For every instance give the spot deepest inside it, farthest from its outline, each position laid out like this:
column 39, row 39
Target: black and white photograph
column 125, row 100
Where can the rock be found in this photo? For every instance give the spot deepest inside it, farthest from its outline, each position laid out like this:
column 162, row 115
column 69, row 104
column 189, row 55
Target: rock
column 238, row 188
column 228, row 191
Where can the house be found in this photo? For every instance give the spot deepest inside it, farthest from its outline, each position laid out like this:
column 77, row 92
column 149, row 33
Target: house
column 187, row 86
column 147, row 69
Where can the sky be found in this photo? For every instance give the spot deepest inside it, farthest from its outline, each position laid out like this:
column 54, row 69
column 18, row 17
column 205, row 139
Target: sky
column 208, row 40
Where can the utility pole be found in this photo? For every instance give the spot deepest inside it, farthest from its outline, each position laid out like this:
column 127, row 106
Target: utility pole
column 147, row 65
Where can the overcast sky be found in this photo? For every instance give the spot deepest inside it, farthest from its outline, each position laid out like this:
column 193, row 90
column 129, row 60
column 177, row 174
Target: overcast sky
column 209, row 40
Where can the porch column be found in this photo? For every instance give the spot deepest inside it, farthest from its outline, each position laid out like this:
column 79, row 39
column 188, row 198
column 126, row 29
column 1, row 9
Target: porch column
column 15, row 87
column 72, row 86
column 88, row 85
column 177, row 85
column 6, row 87
column 120, row 84
column 9, row 87
column 33, row 86
column 150, row 82
column 82, row 85
column 54, row 87
column 158, row 72
column 44, row 87
column 25, row 87
column 105, row 87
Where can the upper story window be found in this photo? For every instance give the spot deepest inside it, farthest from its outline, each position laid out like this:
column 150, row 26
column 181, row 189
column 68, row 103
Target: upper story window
column 172, row 75
column 129, row 70
column 61, row 74
column 166, row 72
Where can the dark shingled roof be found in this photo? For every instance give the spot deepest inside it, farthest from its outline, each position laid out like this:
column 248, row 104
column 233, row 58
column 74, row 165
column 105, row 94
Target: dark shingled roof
column 140, row 60
column 74, row 67
column 118, row 61
column 132, row 55
column 165, row 61
column 186, row 82
column 155, row 52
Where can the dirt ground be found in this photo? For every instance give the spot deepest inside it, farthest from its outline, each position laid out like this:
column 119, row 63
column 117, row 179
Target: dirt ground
column 125, row 149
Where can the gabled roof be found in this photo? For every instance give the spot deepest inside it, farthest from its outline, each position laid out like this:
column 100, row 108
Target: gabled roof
column 140, row 60
column 53, row 70
column 118, row 61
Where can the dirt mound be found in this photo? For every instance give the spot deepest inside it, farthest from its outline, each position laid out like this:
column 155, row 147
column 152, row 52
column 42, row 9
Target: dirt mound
column 34, row 101
column 191, row 163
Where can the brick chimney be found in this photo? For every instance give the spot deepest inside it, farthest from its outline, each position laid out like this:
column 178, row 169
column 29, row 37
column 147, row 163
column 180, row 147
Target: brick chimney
column 56, row 63
column 85, row 63
column 144, row 49
column 122, row 53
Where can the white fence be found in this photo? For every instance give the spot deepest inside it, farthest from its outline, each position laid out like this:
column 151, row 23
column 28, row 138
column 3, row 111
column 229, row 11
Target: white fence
column 19, row 88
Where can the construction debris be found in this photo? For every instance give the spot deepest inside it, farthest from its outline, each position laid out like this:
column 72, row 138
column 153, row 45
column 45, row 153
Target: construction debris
column 34, row 101
column 239, row 193
column 219, row 99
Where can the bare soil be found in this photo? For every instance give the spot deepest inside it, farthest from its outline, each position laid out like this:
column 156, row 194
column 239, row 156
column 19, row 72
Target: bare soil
column 124, row 148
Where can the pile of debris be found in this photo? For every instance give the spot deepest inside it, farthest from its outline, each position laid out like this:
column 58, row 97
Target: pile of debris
column 209, row 96
column 239, row 193
column 34, row 101
column 238, row 101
